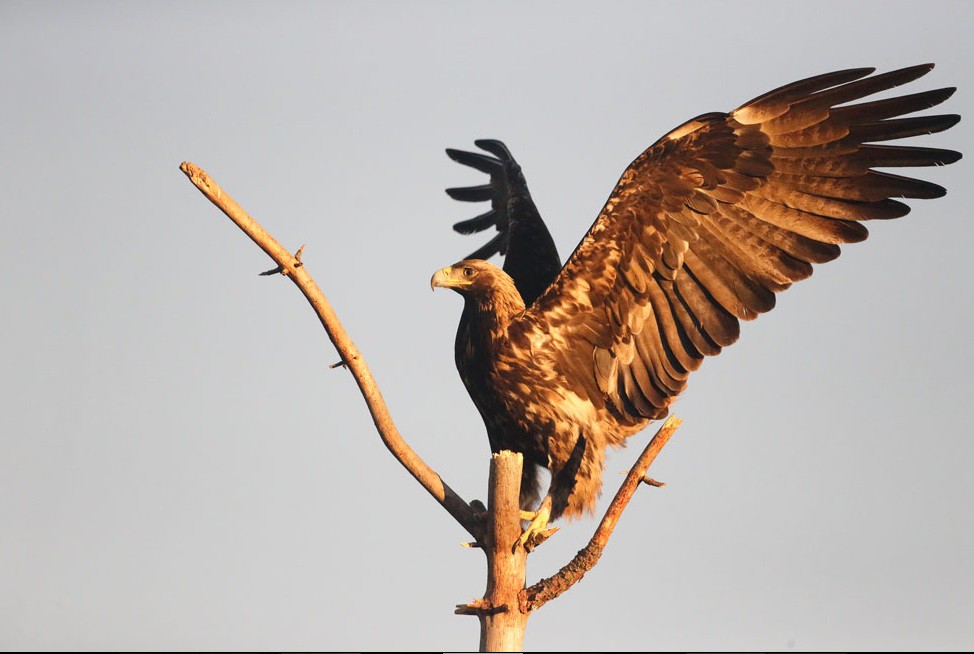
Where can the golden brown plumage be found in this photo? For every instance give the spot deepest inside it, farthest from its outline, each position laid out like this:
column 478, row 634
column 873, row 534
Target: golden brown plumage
column 700, row 232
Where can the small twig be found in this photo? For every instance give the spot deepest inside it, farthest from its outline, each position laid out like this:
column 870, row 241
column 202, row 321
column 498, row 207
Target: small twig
column 647, row 480
column 281, row 269
column 547, row 589
column 350, row 355
column 479, row 607
column 338, row 364
column 540, row 538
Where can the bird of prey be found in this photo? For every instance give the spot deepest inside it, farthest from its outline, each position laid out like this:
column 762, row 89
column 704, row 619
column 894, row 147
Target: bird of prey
column 700, row 232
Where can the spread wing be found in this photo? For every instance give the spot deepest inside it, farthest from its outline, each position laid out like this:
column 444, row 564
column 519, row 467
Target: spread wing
column 716, row 217
column 531, row 258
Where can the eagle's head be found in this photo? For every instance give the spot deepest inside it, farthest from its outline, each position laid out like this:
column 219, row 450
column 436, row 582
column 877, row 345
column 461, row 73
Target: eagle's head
column 472, row 277
column 480, row 282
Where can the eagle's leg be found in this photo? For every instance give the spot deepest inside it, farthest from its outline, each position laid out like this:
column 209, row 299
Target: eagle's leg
column 562, row 486
column 539, row 521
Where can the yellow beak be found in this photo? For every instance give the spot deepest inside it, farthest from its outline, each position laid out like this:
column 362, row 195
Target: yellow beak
column 442, row 278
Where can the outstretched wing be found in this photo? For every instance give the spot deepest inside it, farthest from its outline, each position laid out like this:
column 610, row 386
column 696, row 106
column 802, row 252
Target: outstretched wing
column 716, row 217
column 531, row 258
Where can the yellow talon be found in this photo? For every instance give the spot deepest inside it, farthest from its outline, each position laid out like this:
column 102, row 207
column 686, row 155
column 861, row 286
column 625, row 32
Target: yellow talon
column 539, row 522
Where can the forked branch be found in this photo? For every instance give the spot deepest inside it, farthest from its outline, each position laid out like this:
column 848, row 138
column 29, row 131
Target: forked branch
column 291, row 266
column 505, row 609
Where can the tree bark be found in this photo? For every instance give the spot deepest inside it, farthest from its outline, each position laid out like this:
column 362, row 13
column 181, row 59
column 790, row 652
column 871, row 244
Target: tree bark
column 502, row 623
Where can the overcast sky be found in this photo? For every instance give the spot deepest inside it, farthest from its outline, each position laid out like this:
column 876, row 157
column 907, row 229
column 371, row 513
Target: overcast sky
column 180, row 469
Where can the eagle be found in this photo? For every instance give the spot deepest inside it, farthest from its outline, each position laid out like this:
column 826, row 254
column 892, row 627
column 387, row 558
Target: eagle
column 700, row 232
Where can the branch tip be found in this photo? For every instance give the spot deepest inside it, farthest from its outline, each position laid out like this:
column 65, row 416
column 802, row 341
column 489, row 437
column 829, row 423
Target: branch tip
column 196, row 174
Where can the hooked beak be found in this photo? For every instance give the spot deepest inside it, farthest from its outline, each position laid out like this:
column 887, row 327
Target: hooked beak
column 442, row 278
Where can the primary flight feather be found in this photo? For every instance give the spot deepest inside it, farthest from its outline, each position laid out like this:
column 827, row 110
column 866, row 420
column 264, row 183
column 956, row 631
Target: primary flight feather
column 700, row 232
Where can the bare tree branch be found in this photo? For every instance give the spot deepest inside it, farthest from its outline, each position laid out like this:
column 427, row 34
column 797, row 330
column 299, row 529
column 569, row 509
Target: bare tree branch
column 291, row 266
column 507, row 604
column 548, row 589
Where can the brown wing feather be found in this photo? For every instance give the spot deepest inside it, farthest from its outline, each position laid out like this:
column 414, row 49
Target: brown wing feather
column 705, row 226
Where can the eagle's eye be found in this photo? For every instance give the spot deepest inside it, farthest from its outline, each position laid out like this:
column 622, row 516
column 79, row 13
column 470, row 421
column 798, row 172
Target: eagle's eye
column 468, row 272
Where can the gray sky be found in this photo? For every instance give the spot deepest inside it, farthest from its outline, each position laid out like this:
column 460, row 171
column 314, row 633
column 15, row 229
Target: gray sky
column 179, row 468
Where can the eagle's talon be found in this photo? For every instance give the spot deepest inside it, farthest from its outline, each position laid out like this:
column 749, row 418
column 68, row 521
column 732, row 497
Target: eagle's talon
column 539, row 523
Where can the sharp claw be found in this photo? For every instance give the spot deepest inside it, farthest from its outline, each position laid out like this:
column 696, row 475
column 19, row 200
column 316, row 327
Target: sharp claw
column 539, row 523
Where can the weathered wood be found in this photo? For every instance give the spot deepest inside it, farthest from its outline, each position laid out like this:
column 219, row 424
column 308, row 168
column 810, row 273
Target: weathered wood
column 291, row 267
column 503, row 622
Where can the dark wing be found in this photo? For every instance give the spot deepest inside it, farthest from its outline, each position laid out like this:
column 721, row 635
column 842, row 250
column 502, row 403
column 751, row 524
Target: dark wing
column 530, row 255
column 719, row 215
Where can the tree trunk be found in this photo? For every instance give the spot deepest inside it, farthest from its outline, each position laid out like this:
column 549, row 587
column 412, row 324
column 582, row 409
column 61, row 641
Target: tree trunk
column 502, row 622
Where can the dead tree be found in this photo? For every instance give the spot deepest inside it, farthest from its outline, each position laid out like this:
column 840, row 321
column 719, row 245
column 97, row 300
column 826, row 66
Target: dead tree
column 507, row 602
